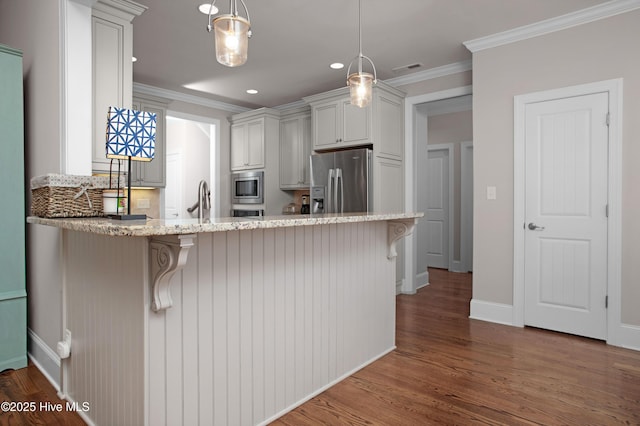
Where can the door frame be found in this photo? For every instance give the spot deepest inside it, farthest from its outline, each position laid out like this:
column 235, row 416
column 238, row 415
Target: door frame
column 178, row 156
column 614, row 226
column 409, row 284
column 466, row 206
column 450, row 176
column 214, row 153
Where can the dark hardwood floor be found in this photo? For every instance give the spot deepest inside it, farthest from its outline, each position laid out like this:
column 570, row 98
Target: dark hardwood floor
column 447, row 369
column 27, row 389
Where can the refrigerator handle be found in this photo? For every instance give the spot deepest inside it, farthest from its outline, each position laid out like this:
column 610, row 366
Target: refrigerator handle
column 339, row 187
column 330, row 191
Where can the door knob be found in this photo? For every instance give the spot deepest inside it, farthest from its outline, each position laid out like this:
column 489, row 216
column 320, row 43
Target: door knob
column 534, row 227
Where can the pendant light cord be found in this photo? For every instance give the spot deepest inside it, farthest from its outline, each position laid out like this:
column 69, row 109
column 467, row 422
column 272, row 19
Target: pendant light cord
column 360, row 56
column 360, row 36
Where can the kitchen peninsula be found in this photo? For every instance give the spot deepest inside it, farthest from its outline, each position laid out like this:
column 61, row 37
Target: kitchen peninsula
column 222, row 321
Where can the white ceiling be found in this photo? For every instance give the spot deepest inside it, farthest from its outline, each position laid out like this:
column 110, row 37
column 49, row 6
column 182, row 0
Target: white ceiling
column 294, row 41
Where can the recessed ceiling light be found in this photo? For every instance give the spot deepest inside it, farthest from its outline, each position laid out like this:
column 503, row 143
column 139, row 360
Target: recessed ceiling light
column 204, row 8
column 252, row 91
column 134, row 59
column 337, row 66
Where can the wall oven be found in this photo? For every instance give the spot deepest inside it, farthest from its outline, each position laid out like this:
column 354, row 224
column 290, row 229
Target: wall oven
column 247, row 212
column 247, row 188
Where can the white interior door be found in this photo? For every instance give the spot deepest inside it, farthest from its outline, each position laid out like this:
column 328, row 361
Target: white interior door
column 173, row 190
column 566, row 215
column 437, row 214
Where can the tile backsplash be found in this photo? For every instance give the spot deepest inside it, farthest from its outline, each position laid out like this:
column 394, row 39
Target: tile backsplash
column 146, row 201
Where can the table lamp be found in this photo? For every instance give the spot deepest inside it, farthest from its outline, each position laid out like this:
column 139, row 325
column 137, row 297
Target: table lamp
column 131, row 135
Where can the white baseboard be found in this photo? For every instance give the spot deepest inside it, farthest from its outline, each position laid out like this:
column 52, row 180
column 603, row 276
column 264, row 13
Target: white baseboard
column 422, row 280
column 44, row 358
column 422, row 286
column 456, row 266
column 626, row 336
column 492, row 312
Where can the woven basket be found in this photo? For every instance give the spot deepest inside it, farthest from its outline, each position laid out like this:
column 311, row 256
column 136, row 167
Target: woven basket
column 56, row 195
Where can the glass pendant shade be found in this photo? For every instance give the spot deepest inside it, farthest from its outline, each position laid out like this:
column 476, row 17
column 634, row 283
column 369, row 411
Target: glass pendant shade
column 361, row 88
column 232, row 39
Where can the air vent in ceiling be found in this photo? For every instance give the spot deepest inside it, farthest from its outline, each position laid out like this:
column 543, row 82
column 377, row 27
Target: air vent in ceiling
column 405, row 68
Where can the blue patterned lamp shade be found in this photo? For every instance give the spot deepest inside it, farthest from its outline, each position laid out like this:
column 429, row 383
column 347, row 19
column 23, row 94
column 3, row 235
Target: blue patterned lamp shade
column 131, row 134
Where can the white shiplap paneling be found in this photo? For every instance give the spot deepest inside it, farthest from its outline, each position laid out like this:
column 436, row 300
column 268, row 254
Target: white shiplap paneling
column 261, row 321
column 105, row 308
column 279, row 314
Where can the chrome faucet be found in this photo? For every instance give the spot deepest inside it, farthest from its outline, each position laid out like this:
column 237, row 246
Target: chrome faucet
column 204, row 200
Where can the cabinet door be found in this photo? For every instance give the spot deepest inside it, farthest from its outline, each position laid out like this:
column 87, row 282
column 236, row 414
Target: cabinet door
column 390, row 125
column 326, row 125
column 356, row 124
column 152, row 173
column 255, row 144
column 290, row 153
column 112, row 75
column 305, row 149
column 388, row 184
column 238, row 146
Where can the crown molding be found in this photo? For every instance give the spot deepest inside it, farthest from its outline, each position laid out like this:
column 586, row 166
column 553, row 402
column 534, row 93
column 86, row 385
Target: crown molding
column 126, row 9
column 584, row 16
column 183, row 97
column 87, row 3
column 291, row 106
column 444, row 70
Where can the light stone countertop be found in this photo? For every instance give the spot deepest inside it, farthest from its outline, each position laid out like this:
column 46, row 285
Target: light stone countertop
column 156, row 227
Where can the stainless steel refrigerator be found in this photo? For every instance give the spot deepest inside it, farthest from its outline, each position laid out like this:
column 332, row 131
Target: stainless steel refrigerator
column 341, row 181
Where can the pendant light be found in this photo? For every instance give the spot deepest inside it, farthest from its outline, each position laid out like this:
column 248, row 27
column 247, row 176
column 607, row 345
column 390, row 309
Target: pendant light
column 361, row 83
column 232, row 33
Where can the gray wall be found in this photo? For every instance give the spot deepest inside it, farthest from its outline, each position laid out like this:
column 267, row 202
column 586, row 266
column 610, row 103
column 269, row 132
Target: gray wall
column 33, row 27
column 597, row 51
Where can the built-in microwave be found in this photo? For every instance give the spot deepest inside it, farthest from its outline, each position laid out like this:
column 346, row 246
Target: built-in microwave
column 247, row 188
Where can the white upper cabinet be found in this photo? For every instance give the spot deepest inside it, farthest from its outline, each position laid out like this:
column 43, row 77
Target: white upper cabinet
column 388, row 126
column 247, row 144
column 295, row 149
column 112, row 72
column 337, row 124
column 152, row 173
column 252, row 132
